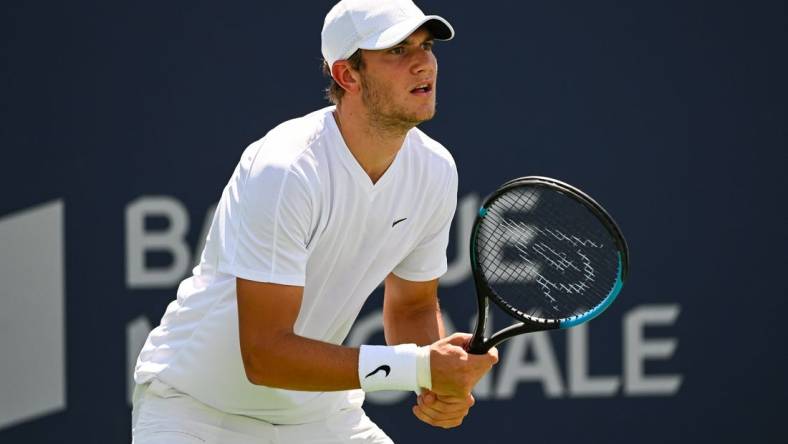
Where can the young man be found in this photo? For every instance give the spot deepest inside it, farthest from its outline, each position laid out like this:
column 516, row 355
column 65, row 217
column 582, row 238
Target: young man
column 315, row 216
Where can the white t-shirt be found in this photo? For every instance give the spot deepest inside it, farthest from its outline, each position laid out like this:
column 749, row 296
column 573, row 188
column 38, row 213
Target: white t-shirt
column 300, row 210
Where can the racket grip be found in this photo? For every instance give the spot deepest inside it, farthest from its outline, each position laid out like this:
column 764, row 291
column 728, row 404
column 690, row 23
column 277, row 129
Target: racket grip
column 477, row 345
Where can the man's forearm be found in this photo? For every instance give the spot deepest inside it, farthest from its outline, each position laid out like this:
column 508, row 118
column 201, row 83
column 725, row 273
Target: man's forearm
column 421, row 326
column 294, row 362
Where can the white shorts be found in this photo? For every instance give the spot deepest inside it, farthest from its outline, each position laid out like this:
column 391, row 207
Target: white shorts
column 163, row 415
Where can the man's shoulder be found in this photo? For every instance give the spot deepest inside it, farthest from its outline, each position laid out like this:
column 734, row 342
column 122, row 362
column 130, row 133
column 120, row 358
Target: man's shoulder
column 287, row 150
column 289, row 142
column 299, row 133
column 433, row 151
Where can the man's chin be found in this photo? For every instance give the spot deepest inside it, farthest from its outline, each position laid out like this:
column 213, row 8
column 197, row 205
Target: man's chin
column 406, row 120
column 423, row 117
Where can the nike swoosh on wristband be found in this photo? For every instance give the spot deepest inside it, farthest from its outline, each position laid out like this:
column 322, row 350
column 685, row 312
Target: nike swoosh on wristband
column 385, row 368
column 398, row 221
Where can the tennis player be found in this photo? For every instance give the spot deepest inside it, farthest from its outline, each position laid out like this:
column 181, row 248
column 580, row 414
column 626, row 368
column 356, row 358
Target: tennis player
column 317, row 214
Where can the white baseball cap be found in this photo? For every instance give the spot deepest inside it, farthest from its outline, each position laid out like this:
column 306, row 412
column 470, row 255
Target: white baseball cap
column 375, row 24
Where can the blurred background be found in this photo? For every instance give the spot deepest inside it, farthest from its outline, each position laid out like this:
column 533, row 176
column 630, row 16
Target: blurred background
column 120, row 123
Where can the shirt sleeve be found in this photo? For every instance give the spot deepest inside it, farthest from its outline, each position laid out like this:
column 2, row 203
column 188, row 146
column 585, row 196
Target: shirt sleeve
column 274, row 218
column 428, row 260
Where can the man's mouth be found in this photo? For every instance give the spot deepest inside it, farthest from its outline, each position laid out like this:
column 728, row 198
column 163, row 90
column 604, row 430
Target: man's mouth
column 422, row 88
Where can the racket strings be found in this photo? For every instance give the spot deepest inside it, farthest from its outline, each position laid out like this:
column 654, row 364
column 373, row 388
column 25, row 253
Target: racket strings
column 529, row 270
column 493, row 233
column 556, row 260
column 592, row 247
column 545, row 254
column 547, row 287
column 556, row 292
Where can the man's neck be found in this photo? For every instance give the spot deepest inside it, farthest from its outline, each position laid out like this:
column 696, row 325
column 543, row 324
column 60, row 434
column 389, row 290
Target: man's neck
column 373, row 144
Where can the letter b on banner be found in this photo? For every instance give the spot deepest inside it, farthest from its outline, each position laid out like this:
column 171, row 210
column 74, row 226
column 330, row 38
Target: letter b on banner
column 169, row 240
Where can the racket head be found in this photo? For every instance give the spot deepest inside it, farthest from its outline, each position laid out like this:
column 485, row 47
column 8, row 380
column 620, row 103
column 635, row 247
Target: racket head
column 547, row 254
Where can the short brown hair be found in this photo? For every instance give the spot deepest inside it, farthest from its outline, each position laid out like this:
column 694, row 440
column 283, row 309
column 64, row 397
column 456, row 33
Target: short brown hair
column 334, row 92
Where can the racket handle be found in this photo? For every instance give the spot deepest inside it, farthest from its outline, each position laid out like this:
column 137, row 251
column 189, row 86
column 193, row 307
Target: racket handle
column 477, row 345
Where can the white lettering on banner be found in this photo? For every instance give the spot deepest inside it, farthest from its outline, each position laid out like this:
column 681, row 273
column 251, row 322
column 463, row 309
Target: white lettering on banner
column 524, row 359
column 502, row 382
column 581, row 384
column 172, row 240
column 542, row 365
column 543, row 368
column 637, row 349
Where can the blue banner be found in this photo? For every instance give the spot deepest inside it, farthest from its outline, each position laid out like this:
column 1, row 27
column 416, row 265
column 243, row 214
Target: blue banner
column 122, row 122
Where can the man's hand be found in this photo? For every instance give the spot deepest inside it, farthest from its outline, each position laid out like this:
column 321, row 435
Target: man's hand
column 455, row 371
column 442, row 411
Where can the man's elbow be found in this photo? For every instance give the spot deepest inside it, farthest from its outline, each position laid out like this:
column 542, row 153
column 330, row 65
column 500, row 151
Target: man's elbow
column 258, row 365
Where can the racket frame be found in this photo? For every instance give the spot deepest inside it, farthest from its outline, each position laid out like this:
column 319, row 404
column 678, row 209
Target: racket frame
column 528, row 324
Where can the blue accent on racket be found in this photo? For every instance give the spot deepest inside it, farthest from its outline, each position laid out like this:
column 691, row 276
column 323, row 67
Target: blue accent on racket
column 596, row 311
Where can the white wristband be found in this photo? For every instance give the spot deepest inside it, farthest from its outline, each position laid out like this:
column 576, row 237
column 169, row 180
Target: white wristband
column 423, row 367
column 388, row 368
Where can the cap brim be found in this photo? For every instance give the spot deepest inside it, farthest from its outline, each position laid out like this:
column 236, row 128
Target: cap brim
column 438, row 26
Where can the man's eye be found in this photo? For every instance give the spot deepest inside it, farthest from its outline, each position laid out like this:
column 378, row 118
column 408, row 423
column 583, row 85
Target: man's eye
column 427, row 46
column 397, row 50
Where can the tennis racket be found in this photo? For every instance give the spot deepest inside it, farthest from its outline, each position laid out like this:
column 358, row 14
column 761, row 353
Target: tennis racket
column 545, row 253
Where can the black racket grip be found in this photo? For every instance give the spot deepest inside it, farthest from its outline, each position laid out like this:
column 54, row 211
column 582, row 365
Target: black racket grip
column 477, row 345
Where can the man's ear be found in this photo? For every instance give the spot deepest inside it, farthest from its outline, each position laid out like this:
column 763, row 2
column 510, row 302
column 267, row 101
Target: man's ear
column 346, row 77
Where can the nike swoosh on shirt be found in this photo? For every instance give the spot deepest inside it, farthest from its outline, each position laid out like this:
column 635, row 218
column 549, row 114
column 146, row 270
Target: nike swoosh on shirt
column 385, row 368
column 398, row 221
